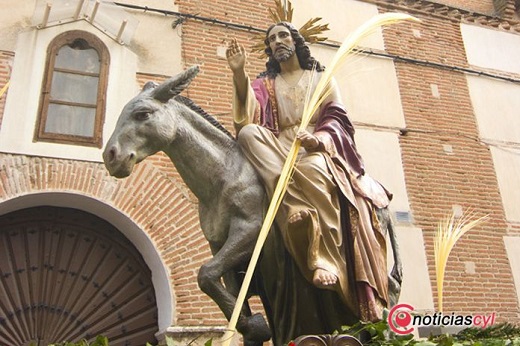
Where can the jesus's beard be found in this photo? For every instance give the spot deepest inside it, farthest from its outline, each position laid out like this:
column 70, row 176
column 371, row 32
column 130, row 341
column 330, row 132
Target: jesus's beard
column 283, row 53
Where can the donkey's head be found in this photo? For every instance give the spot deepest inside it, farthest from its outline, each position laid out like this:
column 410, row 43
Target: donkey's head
column 147, row 124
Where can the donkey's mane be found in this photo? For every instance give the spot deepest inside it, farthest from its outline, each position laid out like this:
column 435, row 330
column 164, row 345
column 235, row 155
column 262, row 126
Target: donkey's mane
column 197, row 109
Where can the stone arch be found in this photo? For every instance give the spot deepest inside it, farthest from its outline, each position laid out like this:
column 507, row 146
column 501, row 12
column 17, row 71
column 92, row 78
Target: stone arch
column 142, row 242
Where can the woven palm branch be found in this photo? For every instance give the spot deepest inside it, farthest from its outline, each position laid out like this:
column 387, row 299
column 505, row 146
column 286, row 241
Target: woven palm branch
column 449, row 231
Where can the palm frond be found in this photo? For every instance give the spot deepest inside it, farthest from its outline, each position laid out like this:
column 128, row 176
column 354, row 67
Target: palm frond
column 449, row 231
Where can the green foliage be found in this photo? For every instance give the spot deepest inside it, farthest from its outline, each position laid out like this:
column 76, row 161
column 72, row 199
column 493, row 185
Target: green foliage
column 500, row 331
column 379, row 334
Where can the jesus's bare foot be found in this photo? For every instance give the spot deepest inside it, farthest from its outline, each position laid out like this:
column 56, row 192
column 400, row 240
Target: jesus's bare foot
column 323, row 278
column 298, row 217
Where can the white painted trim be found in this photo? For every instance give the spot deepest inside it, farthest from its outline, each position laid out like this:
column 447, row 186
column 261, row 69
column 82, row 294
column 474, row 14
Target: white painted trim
column 512, row 245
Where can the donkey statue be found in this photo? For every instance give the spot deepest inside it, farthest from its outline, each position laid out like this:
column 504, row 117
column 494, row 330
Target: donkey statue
column 231, row 210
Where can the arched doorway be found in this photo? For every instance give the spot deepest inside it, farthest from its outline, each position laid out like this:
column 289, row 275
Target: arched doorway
column 66, row 275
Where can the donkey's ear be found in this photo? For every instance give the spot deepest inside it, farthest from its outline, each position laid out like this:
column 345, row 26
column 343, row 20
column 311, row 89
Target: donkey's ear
column 150, row 85
column 175, row 85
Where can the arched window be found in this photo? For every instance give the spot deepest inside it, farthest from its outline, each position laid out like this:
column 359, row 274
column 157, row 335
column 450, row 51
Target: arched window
column 72, row 105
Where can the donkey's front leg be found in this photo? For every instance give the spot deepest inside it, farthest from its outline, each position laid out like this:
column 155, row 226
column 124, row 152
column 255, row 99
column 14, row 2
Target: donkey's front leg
column 235, row 253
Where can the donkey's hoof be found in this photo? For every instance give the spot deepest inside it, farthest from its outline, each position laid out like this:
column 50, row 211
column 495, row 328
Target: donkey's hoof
column 254, row 330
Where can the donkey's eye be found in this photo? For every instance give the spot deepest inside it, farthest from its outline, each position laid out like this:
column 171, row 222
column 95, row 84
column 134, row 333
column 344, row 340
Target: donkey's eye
column 142, row 115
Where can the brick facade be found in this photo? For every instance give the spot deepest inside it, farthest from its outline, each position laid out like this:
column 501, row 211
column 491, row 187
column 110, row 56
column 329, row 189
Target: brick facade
column 484, row 7
column 463, row 175
column 212, row 87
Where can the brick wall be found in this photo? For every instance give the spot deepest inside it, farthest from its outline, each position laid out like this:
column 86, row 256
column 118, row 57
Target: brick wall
column 446, row 165
column 479, row 6
column 212, row 87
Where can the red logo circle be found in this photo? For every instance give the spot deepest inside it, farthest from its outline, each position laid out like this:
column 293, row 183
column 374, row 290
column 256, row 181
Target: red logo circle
column 399, row 319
